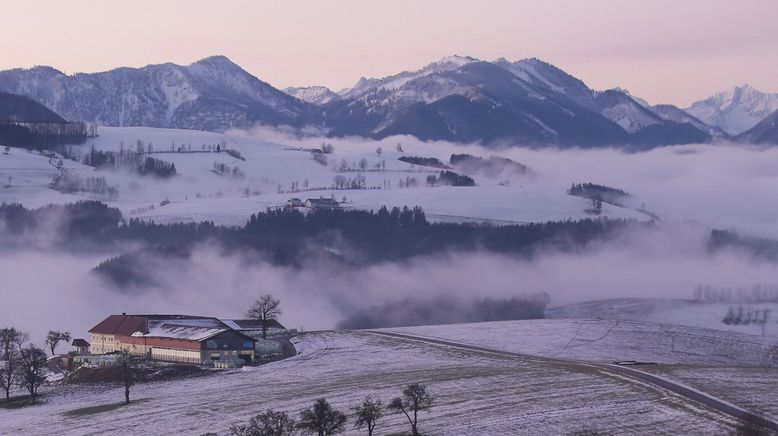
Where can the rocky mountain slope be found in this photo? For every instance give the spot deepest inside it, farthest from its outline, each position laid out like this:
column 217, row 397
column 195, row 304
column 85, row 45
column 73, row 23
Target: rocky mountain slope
column 764, row 132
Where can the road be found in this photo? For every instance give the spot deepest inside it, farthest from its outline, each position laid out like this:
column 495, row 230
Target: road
column 677, row 388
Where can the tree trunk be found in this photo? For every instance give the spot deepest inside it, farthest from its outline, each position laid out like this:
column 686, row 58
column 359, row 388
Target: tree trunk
column 264, row 329
column 127, row 395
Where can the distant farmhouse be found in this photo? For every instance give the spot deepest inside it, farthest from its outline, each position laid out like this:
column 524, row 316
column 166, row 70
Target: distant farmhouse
column 321, row 203
column 179, row 338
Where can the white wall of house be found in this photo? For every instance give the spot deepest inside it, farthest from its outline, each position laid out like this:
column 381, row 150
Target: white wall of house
column 102, row 343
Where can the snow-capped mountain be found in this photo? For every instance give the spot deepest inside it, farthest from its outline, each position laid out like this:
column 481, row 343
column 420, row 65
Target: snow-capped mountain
column 313, row 94
column 457, row 98
column 465, row 99
column 212, row 93
column 764, row 132
column 736, row 110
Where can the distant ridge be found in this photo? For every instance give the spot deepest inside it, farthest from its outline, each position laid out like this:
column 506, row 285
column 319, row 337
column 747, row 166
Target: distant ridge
column 457, row 98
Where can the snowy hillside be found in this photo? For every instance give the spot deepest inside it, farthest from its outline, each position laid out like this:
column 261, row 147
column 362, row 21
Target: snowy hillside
column 475, row 394
column 735, row 110
column 198, row 193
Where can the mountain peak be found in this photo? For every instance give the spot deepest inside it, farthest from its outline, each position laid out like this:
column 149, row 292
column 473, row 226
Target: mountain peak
column 735, row 110
column 219, row 61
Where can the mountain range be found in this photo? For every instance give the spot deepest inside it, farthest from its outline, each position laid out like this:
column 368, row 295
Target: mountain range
column 458, row 98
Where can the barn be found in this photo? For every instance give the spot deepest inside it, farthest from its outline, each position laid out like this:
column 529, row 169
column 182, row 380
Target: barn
column 174, row 338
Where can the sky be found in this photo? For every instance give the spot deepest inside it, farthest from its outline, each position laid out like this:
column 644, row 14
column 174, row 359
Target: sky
column 666, row 51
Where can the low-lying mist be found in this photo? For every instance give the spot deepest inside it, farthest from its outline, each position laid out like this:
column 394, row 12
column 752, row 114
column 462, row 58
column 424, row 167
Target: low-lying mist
column 45, row 290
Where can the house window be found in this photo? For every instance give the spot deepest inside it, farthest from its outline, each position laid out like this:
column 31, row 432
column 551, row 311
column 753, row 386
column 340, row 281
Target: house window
column 210, row 344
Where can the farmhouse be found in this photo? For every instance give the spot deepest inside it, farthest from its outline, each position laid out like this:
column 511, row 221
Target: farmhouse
column 321, row 203
column 174, row 338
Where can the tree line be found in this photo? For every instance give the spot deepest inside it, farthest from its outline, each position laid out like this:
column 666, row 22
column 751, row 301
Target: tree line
column 131, row 160
column 284, row 237
column 596, row 192
column 424, row 162
column 494, row 165
column 42, row 136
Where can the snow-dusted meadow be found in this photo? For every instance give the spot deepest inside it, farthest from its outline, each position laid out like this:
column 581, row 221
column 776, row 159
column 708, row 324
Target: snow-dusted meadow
column 607, row 341
column 721, row 186
column 670, row 311
column 475, row 394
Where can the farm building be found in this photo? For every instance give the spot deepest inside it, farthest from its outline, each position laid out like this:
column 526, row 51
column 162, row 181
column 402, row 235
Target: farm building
column 174, row 338
column 321, row 203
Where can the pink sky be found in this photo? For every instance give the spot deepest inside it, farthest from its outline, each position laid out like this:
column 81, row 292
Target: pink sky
column 668, row 51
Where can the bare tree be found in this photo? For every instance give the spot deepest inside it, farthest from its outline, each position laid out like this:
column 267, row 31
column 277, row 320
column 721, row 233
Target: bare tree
column 269, row 423
column 266, row 309
column 11, row 341
column 415, row 398
column 363, row 164
column 368, row 413
column 127, row 368
column 33, row 370
column 321, row 419
column 379, row 151
column 55, row 337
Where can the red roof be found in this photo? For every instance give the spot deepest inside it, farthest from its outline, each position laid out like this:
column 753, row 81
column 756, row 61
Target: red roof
column 124, row 325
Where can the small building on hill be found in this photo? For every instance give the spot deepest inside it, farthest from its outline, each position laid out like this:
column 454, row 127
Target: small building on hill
column 294, row 202
column 321, row 203
column 80, row 346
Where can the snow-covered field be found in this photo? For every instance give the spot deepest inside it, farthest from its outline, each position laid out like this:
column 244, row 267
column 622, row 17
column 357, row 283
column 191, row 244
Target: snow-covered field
column 668, row 311
column 200, row 194
column 752, row 388
column 610, row 340
column 475, row 394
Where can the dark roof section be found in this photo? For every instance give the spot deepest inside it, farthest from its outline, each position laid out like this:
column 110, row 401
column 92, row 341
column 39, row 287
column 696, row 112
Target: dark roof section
column 80, row 343
column 124, row 325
